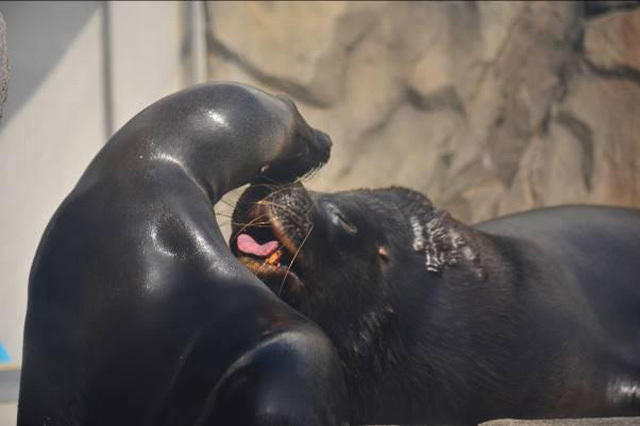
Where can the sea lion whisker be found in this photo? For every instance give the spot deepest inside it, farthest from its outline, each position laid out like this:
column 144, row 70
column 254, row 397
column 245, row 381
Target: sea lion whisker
column 228, row 212
column 293, row 259
column 226, row 202
column 265, row 263
column 246, row 226
column 255, row 225
column 273, row 204
column 274, row 190
column 265, row 224
column 223, row 214
column 267, row 185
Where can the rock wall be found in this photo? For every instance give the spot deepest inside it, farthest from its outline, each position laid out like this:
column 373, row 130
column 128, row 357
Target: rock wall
column 488, row 107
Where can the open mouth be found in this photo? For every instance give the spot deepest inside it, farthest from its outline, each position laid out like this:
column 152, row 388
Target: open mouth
column 262, row 245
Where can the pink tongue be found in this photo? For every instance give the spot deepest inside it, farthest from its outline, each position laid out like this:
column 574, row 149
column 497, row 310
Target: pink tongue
column 246, row 244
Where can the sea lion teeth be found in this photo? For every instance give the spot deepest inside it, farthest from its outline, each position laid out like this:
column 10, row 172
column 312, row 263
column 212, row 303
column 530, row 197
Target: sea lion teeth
column 274, row 259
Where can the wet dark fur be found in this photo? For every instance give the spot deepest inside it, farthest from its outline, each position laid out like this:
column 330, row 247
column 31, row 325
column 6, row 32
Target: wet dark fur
column 505, row 324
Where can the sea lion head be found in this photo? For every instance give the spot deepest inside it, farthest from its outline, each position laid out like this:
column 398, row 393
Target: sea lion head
column 373, row 268
column 339, row 257
column 306, row 150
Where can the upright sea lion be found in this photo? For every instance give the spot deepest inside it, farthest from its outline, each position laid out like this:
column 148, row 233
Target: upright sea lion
column 533, row 315
column 139, row 314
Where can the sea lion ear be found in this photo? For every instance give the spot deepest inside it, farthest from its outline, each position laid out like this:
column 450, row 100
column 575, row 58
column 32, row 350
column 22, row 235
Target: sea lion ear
column 442, row 244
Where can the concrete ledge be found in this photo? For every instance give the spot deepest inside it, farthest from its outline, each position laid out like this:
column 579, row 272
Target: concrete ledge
column 612, row 421
column 8, row 414
column 9, row 382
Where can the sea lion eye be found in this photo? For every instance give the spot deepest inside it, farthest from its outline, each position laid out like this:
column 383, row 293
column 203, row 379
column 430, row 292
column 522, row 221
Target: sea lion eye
column 383, row 254
column 338, row 219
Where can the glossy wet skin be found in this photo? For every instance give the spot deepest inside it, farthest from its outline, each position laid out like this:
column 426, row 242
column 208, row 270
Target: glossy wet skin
column 133, row 287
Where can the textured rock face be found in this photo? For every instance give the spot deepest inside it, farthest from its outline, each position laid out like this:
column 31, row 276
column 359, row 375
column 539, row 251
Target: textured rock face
column 488, row 108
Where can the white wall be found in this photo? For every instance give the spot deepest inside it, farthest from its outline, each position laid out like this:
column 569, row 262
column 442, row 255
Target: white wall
column 145, row 55
column 62, row 110
column 44, row 147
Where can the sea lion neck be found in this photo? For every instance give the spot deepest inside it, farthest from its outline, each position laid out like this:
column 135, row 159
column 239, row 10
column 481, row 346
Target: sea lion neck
column 196, row 131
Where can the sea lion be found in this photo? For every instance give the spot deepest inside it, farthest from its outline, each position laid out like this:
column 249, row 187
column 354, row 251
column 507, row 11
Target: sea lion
column 139, row 314
column 534, row 315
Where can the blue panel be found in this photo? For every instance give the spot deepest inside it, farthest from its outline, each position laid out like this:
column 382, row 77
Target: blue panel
column 4, row 355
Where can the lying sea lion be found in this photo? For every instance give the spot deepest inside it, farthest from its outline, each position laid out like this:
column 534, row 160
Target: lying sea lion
column 139, row 314
column 533, row 315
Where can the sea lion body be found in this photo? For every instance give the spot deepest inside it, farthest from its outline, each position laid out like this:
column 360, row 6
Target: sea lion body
column 535, row 315
column 139, row 314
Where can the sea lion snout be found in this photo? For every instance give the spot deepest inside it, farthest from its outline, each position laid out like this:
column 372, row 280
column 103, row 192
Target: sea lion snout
column 305, row 148
column 320, row 146
column 271, row 225
column 287, row 209
column 311, row 150
column 316, row 150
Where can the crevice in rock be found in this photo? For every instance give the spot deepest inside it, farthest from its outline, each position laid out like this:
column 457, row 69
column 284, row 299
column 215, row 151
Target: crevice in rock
column 488, row 66
column 469, row 175
column 361, row 142
column 593, row 9
column 565, row 75
column 447, row 97
column 298, row 91
column 584, row 135
column 383, row 122
column 349, row 48
column 617, row 72
column 533, row 191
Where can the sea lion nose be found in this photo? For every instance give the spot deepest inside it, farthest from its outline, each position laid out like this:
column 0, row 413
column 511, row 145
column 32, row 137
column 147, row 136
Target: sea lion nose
column 321, row 146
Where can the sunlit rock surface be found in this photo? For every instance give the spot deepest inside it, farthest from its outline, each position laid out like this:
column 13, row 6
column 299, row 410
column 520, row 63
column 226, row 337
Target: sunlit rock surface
column 489, row 108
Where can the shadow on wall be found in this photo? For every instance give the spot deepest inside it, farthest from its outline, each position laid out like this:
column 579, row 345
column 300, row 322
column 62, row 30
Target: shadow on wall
column 488, row 108
column 78, row 71
column 32, row 58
